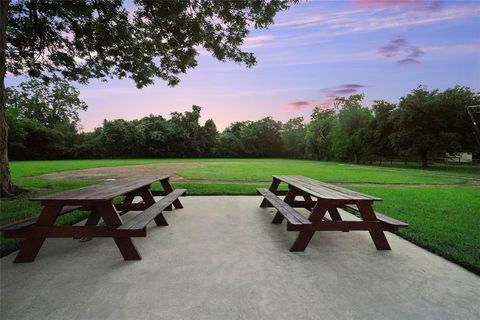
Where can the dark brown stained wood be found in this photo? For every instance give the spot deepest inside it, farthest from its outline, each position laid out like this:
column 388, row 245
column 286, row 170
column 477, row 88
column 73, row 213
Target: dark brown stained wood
column 30, row 221
column 131, row 206
column 320, row 198
column 99, row 201
column 323, row 190
column 75, row 232
column 102, row 192
column 283, row 208
column 31, row 246
column 144, row 218
column 344, row 225
column 382, row 217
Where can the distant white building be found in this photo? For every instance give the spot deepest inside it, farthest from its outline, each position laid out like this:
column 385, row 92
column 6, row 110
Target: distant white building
column 461, row 157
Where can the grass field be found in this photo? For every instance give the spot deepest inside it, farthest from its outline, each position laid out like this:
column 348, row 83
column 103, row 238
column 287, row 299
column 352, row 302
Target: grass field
column 441, row 204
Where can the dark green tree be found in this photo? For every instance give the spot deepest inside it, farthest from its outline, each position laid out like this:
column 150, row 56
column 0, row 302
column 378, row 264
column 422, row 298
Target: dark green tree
column 431, row 123
column 186, row 131
column 80, row 40
column 231, row 144
column 49, row 103
column 155, row 132
column 209, row 138
column 348, row 136
column 293, row 138
column 121, row 138
column 381, row 129
column 43, row 118
column 317, row 145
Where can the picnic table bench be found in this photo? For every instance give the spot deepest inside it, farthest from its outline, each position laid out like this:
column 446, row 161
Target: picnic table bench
column 329, row 198
column 99, row 200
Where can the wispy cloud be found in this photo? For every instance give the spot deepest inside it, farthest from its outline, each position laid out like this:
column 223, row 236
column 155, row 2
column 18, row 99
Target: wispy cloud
column 257, row 41
column 343, row 90
column 400, row 46
column 332, row 24
column 408, row 61
column 418, row 5
column 299, row 105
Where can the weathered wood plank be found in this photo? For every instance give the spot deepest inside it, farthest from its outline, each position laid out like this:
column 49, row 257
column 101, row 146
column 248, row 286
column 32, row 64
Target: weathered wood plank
column 287, row 211
column 145, row 217
column 382, row 217
column 74, row 232
column 31, row 221
column 104, row 191
column 323, row 190
column 344, row 225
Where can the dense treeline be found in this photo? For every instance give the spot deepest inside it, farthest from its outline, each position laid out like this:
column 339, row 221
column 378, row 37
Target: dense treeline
column 425, row 124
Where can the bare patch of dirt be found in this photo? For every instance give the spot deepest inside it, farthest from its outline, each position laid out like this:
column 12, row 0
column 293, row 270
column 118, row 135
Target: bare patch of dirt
column 110, row 173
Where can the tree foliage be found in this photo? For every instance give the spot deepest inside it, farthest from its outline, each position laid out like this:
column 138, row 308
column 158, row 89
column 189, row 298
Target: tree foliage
column 429, row 123
column 79, row 40
column 43, row 118
column 424, row 120
column 49, row 103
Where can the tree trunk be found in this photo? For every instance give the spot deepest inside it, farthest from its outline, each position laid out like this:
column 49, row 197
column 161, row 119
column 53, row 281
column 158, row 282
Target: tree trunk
column 424, row 160
column 7, row 189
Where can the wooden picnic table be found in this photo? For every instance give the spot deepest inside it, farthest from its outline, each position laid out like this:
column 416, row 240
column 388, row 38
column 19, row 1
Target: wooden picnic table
column 321, row 198
column 99, row 201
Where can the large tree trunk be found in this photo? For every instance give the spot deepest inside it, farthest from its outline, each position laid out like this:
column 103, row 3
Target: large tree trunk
column 8, row 189
column 424, row 159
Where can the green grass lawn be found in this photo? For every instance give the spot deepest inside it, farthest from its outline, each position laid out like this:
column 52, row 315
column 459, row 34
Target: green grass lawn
column 441, row 204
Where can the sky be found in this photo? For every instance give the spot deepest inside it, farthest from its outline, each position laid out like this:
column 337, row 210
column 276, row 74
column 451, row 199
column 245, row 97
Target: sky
column 313, row 52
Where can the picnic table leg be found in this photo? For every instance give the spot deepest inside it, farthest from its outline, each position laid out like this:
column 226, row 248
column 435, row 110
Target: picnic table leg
column 307, row 198
column 335, row 215
column 167, row 187
column 302, row 241
column 148, row 199
column 31, row 246
column 92, row 220
column 124, row 244
column 291, row 194
column 306, row 235
column 378, row 237
column 273, row 188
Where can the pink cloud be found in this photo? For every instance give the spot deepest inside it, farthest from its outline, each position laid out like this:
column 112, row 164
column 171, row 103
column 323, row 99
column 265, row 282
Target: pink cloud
column 325, row 104
column 298, row 105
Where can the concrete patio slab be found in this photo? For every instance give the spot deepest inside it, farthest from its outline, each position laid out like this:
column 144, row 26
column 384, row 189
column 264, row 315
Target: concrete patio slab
column 221, row 258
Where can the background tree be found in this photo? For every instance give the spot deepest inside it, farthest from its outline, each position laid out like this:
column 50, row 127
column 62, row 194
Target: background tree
column 48, row 103
column 293, row 138
column 120, row 138
column 317, row 144
column 43, row 118
column 348, row 135
column 209, row 139
column 231, row 144
column 381, row 130
column 81, row 40
column 431, row 123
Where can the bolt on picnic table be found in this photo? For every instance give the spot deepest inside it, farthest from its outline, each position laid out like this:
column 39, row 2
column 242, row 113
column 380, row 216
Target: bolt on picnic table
column 329, row 199
column 98, row 199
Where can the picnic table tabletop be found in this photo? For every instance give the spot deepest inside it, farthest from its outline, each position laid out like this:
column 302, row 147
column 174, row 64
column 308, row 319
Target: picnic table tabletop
column 323, row 190
column 102, row 192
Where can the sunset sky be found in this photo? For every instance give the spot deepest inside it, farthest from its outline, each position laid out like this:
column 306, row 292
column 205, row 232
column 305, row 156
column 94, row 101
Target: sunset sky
column 315, row 51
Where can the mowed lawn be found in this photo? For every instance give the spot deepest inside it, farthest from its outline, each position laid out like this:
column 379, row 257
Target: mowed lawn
column 441, row 204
